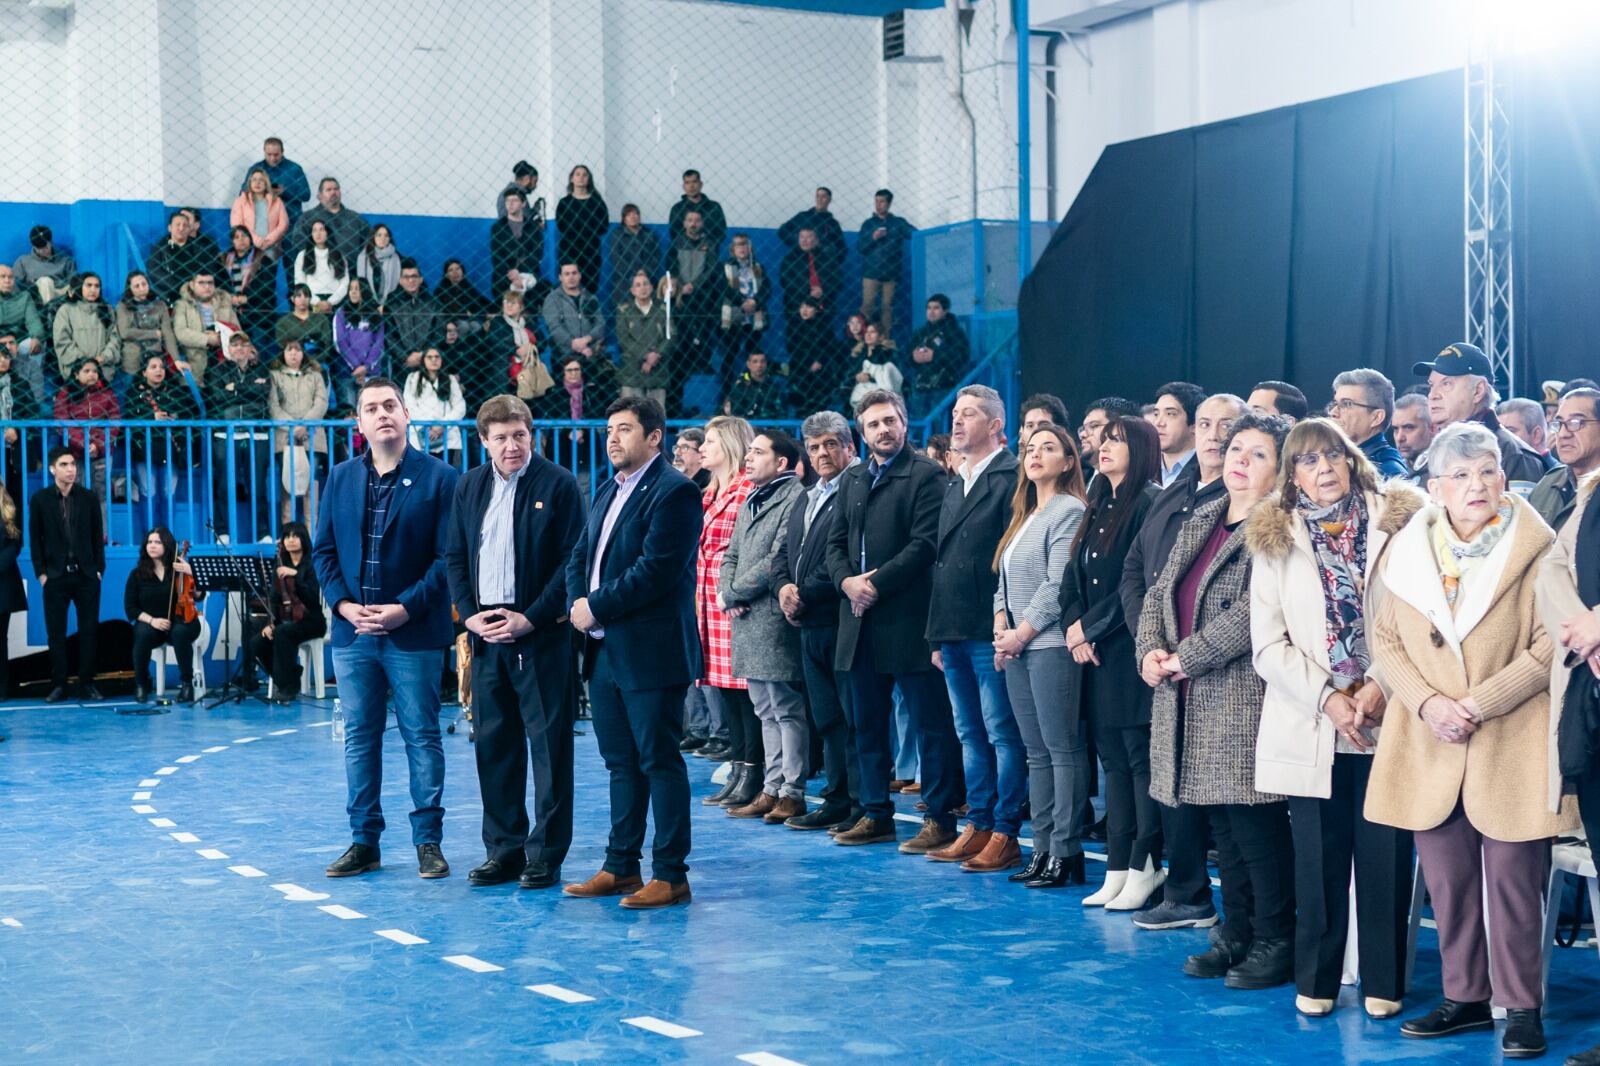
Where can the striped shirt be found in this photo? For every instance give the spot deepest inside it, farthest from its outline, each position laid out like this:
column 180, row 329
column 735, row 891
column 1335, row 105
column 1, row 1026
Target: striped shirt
column 380, row 492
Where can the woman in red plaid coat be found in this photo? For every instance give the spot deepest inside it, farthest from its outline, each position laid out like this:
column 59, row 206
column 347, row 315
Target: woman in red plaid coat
column 727, row 438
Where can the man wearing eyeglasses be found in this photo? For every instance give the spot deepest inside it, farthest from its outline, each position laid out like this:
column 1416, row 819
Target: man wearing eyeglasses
column 1576, row 432
column 1363, row 405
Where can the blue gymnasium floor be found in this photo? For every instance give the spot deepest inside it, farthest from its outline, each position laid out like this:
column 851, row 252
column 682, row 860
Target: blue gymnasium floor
column 119, row 943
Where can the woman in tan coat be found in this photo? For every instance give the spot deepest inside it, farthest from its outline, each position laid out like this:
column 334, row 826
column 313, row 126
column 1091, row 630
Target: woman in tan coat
column 1463, row 759
column 299, row 394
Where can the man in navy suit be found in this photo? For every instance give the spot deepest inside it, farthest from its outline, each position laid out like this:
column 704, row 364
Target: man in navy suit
column 379, row 554
column 513, row 526
column 631, row 587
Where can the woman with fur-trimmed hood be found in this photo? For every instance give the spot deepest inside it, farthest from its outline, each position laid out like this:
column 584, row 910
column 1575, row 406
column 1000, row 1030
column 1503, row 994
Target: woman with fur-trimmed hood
column 1314, row 544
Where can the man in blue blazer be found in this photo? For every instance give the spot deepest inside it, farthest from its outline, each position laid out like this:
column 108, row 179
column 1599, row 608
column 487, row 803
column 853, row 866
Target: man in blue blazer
column 379, row 553
column 631, row 587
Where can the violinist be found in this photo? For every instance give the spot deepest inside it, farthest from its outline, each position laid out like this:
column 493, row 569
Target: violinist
column 294, row 613
column 156, row 605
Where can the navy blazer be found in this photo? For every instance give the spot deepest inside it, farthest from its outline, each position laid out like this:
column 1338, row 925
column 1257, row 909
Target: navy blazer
column 645, row 597
column 548, row 519
column 410, row 552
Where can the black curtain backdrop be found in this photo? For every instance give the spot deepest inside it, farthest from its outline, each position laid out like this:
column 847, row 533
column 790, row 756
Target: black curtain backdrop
column 1290, row 244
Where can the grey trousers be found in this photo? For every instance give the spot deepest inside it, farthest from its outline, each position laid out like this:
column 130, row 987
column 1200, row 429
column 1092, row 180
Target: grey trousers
column 785, row 736
column 1043, row 687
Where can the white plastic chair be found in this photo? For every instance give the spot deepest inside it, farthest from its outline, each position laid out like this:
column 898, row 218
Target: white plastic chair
column 169, row 657
column 313, row 664
column 1567, row 860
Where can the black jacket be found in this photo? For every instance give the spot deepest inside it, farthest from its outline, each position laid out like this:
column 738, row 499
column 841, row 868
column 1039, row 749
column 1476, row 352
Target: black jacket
column 830, row 235
column 12, row 597
column 235, row 393
column 715, row 222
column 410, row 323
column 951, row 354
column 970, row 526
column 171, row 397
column 507, row 251
column 48, row 537
column 172, row 266
column 1149, row 551
column 794, row 277
column 814, row 343
column 631, row 253
column 896, row 527
column 802, row 561
column 145, row 593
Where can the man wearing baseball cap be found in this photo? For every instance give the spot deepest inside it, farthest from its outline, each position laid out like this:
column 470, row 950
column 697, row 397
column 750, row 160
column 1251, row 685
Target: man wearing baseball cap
column 1461, row 389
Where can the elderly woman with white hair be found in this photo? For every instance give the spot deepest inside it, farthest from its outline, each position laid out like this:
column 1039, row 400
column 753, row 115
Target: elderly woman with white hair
column 1463, row 762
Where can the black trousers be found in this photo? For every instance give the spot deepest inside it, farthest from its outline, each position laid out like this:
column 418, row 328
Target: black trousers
column 147, row 638
column 1183, row 836
column 80, row 590
column 279, row 654
column 248, row 480
column 1589, row 804
column 521, row 722
column 638, row 732
column 1330, row 834
column 828, row 698
column 744, row 729
column 1133, row 818
column 1255, row 862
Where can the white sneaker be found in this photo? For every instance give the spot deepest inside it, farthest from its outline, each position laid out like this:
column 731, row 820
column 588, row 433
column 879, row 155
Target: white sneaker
column 1138, row 888
column 223, row 539
column 1109, row 891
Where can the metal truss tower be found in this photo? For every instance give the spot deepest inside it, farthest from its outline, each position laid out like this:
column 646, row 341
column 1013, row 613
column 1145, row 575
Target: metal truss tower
column 1490, row 314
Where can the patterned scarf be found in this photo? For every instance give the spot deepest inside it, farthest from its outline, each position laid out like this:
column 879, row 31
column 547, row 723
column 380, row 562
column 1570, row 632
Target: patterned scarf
column 1339, row 542
column 1457, row 558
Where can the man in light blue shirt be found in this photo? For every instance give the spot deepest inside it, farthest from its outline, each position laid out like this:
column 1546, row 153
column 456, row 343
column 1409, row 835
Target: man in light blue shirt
column 1174, row 421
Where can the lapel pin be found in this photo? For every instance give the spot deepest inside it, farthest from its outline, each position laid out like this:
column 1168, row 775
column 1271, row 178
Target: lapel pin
column 406, row 482
column 538, row 505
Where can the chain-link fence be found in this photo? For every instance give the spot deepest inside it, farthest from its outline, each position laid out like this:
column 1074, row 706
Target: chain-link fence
column 565, row 199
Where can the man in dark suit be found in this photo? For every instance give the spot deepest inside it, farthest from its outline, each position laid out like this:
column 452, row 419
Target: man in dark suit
column 880, row 552
column 66, row 535
column 976, row 511
column 810, row 600
column 631, row 587
column 379, row 554
column 513, row 526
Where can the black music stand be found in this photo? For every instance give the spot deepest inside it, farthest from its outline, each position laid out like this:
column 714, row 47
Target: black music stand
column 250, row 575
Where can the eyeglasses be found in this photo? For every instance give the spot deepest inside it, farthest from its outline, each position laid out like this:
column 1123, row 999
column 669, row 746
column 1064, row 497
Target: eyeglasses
column 1573, row 425
column 1092, row 427
column 1309, row 460
column 1461, row 478
column 1341, row 406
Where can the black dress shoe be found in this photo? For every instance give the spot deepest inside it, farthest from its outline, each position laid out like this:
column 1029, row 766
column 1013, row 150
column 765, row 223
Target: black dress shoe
column 714, row 751
column 1096, row 832
column 748, row 789
column 430, row 862
column 823, row 817
column 1447, row 1018
column 1222, row 956
column 1076, row 874
column 1585, row 1058
column 1034, row 868
column 357, row 859
column 1524, row 1035
column 57, row 694
column 540, row 875
column 735, row 778
column 89, row 692
column 141, row 694
column 1054, row 874
column 495, row 871
column 691, row 743
column 186, row 693
column 1270, row 963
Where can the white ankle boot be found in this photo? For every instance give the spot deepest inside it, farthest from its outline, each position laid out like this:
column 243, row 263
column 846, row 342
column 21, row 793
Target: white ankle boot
column 1109, row 890
column 1138, row 888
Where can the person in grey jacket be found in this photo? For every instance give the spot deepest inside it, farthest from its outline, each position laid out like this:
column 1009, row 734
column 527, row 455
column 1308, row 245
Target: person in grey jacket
column 645, row 340
column 766, row 648
column 45, row 261
column 573, row 319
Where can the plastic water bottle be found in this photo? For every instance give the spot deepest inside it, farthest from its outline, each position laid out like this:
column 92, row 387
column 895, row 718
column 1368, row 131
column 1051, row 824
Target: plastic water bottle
column 338, row 721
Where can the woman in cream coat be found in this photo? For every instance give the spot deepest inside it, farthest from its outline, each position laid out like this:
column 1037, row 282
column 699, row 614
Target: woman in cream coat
column 1463, row 763
column 1314, row 544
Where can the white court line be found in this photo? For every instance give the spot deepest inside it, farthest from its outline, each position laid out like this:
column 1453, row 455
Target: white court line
column 150, row 782
column 163, row 823
column 565, row 995
column 247, row 871
column 166, row 771
column 143, row 795
column 315, row 725
column 293, row 893
column 656, row 1025
column 767, row 1058
column 400, row 936
column 338, row 910
column 186, row 759
column 467, row 962
column 185, row 838
column 143, row 808
column 247, row 740
column 211, row 853
column 282, row 732
column 217, row 748
column 12, row 922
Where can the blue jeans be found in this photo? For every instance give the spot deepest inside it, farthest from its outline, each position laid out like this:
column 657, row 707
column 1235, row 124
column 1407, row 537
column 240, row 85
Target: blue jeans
column 907, row 765
column 368, row 670
column 992, row 753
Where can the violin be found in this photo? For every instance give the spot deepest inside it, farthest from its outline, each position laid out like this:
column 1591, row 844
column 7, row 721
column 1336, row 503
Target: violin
column 290, row 607
column 181, row 607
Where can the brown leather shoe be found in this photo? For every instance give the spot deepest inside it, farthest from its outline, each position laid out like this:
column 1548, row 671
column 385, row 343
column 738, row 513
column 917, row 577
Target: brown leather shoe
column 1001, row 853
column 759, row 807
column 604, row 883
column 969, row 843
column 912, row 787
column 899, row 784
column 868, row 831
column 930, row 838
column 657, row 894
column 786, row 808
